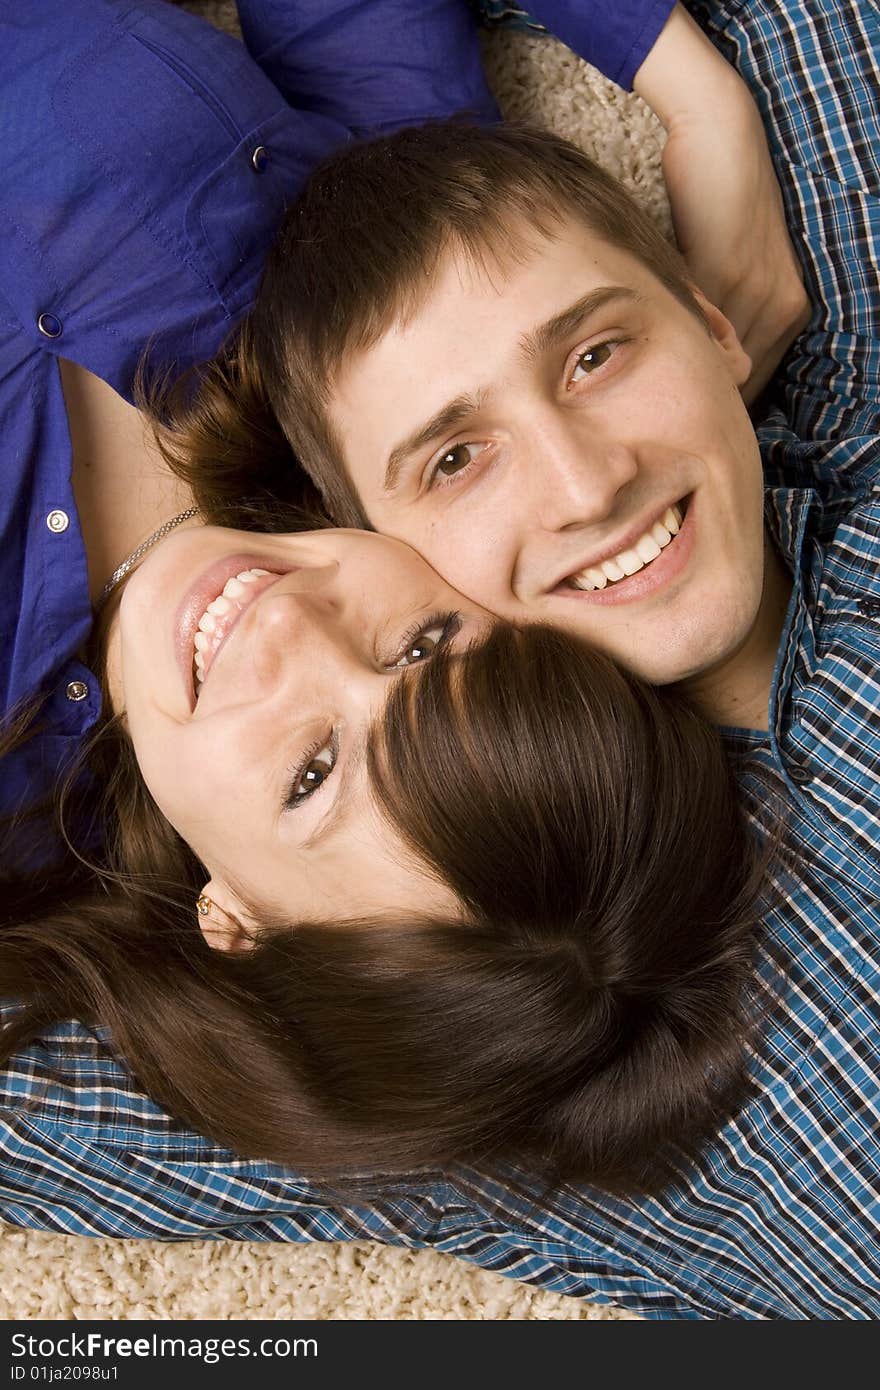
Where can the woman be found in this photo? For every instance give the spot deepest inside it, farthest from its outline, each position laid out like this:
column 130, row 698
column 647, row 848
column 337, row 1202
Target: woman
column 476, row 847
column 399, row 825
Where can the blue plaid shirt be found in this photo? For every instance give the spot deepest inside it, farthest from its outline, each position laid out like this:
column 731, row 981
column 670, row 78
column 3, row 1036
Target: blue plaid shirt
column 780, row 1216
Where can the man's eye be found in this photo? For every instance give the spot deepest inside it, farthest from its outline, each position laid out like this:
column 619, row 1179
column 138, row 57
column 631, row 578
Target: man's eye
column 590, row 361
column 424, row 643
column 455, row 459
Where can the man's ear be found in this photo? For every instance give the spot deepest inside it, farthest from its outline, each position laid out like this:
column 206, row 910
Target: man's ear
column 722, row 330
column 222, row 919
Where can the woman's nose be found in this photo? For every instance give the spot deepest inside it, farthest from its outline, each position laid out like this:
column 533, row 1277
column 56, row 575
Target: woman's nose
column 279, row 605
column 310, row 579
column 309, row 614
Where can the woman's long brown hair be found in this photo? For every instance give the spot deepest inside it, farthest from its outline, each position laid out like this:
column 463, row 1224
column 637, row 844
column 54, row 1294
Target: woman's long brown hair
column 584, row 1016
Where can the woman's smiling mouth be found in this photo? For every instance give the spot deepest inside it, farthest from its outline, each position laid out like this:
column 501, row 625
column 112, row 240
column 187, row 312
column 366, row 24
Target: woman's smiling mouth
column 212, row 607
column 221, row 615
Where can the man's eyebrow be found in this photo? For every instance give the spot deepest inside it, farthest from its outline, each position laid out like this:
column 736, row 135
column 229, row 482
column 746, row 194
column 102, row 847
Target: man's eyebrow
column 569, row 320
column 532, row 344
column 446, row 418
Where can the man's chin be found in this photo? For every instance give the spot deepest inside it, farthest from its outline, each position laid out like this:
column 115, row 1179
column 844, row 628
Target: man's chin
column 691, row 658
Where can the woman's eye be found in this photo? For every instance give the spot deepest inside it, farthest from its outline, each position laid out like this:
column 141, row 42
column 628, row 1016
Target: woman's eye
column 313, row 774
column 428, row 640
column 424, row 645
column 590, row 361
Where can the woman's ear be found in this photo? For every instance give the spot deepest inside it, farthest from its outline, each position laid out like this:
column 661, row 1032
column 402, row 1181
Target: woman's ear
column 739, row 363
column 220, row 918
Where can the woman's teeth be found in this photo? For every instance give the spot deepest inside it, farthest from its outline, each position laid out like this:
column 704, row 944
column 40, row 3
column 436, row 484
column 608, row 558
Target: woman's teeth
column 207, row 637
column 628, row 562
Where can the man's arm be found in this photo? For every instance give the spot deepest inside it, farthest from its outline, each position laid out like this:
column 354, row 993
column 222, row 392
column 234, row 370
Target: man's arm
column 813, row 67
column 84, row 1151
column 726, row 204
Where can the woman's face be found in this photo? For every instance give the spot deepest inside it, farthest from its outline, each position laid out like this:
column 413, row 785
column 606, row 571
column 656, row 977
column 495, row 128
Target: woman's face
column 260, row 766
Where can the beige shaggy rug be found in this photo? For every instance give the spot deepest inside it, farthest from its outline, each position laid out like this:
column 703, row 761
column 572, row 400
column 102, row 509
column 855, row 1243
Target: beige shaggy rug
column 71, row 1277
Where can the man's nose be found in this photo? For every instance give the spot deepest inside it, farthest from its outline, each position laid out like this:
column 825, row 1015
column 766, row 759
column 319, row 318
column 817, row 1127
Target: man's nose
column 574, row 473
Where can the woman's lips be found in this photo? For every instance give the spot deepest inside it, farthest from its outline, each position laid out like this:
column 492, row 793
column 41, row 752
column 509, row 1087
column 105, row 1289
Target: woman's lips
column 208, row 643
column 207, row 587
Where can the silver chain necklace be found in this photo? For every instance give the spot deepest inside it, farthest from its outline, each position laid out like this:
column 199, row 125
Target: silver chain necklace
column 122, row 570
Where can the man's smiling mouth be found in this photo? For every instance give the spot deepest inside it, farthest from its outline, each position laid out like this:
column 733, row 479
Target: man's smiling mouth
column 638, row 556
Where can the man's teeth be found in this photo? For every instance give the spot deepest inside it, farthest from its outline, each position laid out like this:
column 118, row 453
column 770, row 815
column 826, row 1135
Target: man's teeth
column 234, row 588
column 628, row 562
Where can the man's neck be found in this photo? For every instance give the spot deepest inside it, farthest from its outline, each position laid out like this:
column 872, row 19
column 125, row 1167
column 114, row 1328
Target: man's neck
column 736, row 693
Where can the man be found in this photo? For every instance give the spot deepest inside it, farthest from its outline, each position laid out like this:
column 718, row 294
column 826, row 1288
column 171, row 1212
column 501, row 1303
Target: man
column 775, row 1220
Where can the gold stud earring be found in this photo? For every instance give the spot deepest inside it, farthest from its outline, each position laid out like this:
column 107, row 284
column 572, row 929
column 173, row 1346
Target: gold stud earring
column 204, row 906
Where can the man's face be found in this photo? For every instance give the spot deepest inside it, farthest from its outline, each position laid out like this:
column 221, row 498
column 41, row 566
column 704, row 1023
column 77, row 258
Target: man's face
column 539, row 429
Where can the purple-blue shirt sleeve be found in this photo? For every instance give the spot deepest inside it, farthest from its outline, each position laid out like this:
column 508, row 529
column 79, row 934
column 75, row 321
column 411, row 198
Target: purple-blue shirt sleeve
column 616, row 36
column 374, row 65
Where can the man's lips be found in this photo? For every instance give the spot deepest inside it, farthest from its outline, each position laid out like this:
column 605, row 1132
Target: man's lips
column 653, row 576
column 625, row 541
column 207, row 587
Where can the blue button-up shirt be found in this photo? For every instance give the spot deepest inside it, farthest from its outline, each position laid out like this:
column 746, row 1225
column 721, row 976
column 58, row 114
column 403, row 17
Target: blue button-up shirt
column 779, row 1217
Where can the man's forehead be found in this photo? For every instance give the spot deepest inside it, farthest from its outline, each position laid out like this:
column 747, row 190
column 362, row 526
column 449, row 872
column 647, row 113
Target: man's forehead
column 528, row 257
column 468, row 295
column 476, row 320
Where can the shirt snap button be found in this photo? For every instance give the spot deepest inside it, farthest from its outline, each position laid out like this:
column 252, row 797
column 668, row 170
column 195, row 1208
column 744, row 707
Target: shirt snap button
column 58, row 521
column 870, row 607
column 260, row 158
column 77, row 690
column 800, row 775
column 49, row 325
